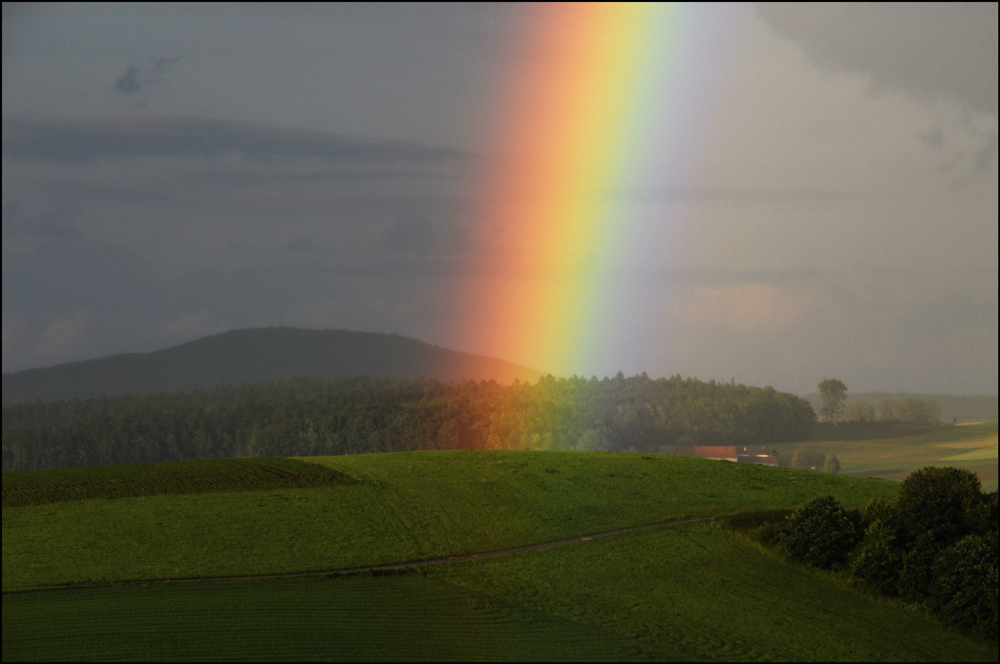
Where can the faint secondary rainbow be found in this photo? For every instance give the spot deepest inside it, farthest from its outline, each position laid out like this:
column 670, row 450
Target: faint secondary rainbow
column 592, row 90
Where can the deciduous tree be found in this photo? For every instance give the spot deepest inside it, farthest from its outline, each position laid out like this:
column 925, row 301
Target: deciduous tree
column 834, row 394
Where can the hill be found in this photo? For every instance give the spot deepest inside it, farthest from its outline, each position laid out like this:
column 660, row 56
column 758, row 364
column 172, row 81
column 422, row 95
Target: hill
column 971, row 408
column 680, row 592
column 256, row 355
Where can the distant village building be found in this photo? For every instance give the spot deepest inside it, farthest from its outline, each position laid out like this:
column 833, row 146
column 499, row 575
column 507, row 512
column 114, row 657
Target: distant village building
column 718, row 452
column 759, row 455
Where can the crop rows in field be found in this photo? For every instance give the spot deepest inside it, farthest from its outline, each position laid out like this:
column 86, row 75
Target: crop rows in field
column 697, row 589
column 36, row 487
column 350, row 619
column 406, row 508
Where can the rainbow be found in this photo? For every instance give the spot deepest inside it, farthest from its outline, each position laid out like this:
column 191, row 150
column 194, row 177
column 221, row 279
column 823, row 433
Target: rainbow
column 594, row 87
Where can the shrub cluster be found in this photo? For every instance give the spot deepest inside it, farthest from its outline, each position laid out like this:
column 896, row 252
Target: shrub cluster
column 935, row 547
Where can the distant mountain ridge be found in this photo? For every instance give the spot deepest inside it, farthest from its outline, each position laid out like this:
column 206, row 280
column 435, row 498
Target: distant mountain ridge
column 256, row 355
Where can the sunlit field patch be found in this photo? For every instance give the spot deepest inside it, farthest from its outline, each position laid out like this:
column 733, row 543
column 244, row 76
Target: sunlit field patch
column 682, row 591
column 894, row 451
column 405, row 507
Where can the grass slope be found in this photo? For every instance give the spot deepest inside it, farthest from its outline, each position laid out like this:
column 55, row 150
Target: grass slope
column 406, row 507
column 348, row 619
column 696, row 589
column 685, row 591
column 38, row 487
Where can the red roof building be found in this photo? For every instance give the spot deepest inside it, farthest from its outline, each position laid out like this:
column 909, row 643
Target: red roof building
column 718, row 452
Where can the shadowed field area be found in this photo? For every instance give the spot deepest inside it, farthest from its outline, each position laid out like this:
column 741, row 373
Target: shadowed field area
column 711, row 594
column 348, row 619
column 38, row 487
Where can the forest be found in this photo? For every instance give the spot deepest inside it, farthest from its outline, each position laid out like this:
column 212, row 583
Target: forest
column 306, row 417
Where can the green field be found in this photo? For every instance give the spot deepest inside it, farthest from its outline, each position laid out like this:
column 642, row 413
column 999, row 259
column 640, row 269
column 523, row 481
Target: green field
column 712, row 595
column 350, row 619
column 38, row 487
column 894, row 451
column 678, row 592
column 405, row 507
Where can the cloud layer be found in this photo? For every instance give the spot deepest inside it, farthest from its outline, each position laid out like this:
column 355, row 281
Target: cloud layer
column 822, row 201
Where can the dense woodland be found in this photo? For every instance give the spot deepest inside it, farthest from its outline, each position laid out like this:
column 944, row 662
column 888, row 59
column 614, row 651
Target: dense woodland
column 363, row 415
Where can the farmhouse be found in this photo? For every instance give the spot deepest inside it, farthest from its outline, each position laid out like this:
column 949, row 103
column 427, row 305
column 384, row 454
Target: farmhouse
column 760, row 455
column 719, row 452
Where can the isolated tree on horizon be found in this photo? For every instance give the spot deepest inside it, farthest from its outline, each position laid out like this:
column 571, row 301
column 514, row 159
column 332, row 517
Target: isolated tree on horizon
column 834, row 394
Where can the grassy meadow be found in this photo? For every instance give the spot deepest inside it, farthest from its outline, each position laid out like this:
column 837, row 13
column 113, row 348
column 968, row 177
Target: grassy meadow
column 38, row 487
column 893, row 451
column 346, row 619
column 403, row 507
column 685, row 591
column 712, row 595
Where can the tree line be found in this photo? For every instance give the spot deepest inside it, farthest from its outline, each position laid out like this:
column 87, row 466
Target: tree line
column 916, row 411
column 307, row 417
column 833, row 396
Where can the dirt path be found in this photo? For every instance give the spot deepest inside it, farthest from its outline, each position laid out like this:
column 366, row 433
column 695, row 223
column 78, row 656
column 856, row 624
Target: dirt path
column 348, row 571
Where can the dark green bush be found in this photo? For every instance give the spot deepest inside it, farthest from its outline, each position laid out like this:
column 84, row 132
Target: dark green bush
column 762, row 526
column 821, row 533
column 915, row 574
column 878, row 559
column 964, row 588
column 877, row 509
column 806, row 458
column 936, row 500
column 981, row 519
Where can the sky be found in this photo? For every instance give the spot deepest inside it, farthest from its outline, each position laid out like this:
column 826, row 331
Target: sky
column 811, row 192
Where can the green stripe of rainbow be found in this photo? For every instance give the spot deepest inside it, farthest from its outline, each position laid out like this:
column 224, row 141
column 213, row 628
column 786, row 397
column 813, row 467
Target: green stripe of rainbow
column 573, row 131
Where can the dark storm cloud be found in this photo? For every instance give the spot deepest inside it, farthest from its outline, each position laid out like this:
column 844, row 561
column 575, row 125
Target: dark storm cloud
column 137, row 79
column 410, row 235
column 930, row 50
column 77, row 142
column 63, row 276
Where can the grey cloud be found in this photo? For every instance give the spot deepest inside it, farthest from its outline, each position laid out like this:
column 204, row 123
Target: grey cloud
column 63, row 276
column 714, row 277
column 300, row 245
column 984, row 156
column 934, row 137
column 726, row 195
column 47, row 223
column 128, row 83
column 75, row 142
column 930, row 50
column 136, row 78
column 357, row 173
column 411, row 235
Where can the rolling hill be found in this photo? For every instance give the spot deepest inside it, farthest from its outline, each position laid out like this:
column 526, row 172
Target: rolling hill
column 155, row 573
column 256, row 355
